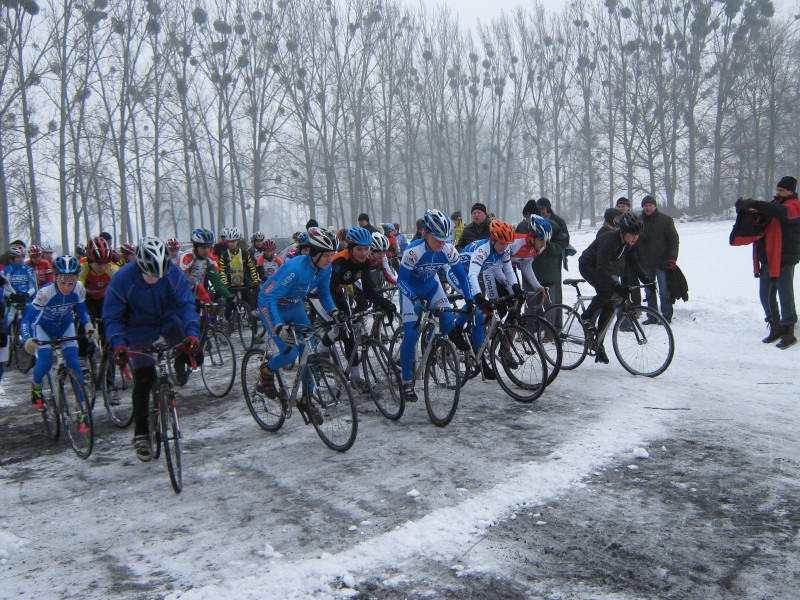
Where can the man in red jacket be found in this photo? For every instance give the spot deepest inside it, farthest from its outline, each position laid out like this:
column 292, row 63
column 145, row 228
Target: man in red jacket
column 775, row 254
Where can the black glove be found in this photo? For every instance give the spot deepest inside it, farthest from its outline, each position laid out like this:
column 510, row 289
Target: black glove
column 622, row 291
column 518, row 292
column 646, row 281
column 14, row 297
column 339, row 316
column 484, row 304
column 387, row 306
column 286, row 334
column 743, row 204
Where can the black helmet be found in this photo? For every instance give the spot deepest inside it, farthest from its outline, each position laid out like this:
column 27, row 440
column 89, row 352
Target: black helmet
column 630, row 222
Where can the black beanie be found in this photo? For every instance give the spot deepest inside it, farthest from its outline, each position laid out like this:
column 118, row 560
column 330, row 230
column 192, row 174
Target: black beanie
column 363, row 217
column 312, row 223
column 530, row 208
column 649, row 200
column 624, row 201
column 788, row 183
column 544, row 203
column 479, row 206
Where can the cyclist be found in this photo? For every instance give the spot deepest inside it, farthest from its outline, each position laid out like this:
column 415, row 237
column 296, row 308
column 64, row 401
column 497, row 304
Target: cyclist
column 47, row 252
column 280, row 302
column 379, row 260
column 20, row 284
column 52, row 315
column 126, row 254
column 301, row 248
column 174, row 246
column 221, row 245
column 148, row 298
column 3, row 333
column 420, row 287
column 268, row 262
column 524, row 249
column 607, row 258
column 237, row 268
column 80, row 252
column 256, row 245
column 41, row 267
column 95, row 274
column 200, row 268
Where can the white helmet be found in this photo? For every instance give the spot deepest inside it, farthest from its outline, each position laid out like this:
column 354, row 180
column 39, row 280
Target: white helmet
column 380, row 243
column 320, row 240
column 152, row 257
column 234, row 233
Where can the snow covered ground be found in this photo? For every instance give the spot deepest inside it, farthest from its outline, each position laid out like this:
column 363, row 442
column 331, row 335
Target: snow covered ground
column 609, row 486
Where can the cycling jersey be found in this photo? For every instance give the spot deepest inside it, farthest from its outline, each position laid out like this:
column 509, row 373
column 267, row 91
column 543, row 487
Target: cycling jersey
column 94, row 283
column 236, row 268
column 43, row 271
column 522, row 255
column 480, row 256
column 54, row 312
column 266, row 268
column 21, row 280
column 384, row 267
column 346, row 271
column 198, row 270
column 420, row 265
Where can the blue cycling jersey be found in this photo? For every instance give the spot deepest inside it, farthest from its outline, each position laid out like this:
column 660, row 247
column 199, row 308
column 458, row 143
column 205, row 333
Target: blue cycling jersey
column 53, row 311
column 480, row 256
column 420, row 264
column 21, row 279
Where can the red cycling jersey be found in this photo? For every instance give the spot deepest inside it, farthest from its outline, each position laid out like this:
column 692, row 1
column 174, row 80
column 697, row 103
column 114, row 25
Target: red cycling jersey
column 43, row 271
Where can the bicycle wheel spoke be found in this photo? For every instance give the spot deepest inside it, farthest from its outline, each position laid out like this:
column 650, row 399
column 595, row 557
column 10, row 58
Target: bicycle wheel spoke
column 328, row 395
column 171, row 435
column 442, row 382
column 519, row 364
column 571, row 334
column 383, row 380
column 267, row 412
column 75, row 414
column 50, row 416
column 219, row 364
column 644, row 346
column 117, row 394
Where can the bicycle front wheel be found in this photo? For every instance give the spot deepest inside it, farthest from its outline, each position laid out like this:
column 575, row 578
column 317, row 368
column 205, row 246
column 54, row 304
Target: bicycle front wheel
column 519, row 362
column 571, row 334
column 219, row 363
column 442, row 382
column 267, row 412
column 75, row 413
column 118, row 393
column 643, row 341
column 245, row 325
column 328, row 393
column 50, row 416
column 171, row 435
column 383, row 379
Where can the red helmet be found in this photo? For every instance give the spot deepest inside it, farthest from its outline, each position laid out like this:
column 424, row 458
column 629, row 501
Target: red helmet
column 34, row 251
column 127, row 249
column 500, row 231
column 270, row 245
column 174, row 244
column 98, row 250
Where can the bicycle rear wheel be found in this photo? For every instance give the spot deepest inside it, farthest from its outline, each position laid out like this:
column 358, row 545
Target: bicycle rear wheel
column 519, row 363
column 547, row 336
column 170, row 435
column 267, row 412
column 118, row 393
column 328, row 392
column 383, row 379
column 643, row 347
column 219, row 363
column 571, row 334
column 442, row 382
column 50, row 416
column 75, row 413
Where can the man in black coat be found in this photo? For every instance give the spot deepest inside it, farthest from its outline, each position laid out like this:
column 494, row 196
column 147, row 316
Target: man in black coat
column 658, row 252
column 478, row 229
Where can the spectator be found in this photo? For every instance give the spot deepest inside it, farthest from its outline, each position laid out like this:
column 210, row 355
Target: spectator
column 363, row 221
column 478, row 229
column 529, row 209
column 610, row 221
column 776, row 253
column 551, row 274
column 458, row 224
column 420, row 230
column 311, row 223
column 623, row 204
column 658, row 251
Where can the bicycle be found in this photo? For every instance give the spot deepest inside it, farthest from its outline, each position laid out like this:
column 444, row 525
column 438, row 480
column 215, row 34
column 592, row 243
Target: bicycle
column 380, row 375
column 438, row 367
column 643, row 347
column 323, row 389
column 218, row 369
column 163, row 426
column 67, row 404
column 242, row 319
column 545, row 334
column 16, row 347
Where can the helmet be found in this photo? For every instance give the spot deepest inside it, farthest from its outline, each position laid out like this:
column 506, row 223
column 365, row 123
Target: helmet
column 98, row 250
column 152, row 257
column 540, row 227
column 223, row 233
column 387, row 228
column 34, row 251
column 66, row 265
column 270, row 245
column 500, row 231
column 80, row 249
column 257, row 237
column 611, row 214
column 302, row 239
column 127, row 249
column 380, row 243
column 47, row 247
column 359, row 236
column 630, row 222
column 319, row 240
column 15, row 251
column 234, row 234
column 174, row 244
column 438, row 224
column 202, row 237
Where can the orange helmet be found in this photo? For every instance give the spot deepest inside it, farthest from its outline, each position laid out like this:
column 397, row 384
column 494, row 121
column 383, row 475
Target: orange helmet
column 500, row 231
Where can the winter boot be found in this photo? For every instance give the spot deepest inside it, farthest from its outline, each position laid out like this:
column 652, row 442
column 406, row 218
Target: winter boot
column 788, row 338
column 775, row 331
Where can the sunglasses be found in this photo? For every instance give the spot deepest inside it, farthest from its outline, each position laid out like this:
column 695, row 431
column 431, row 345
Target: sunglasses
column 66, row 278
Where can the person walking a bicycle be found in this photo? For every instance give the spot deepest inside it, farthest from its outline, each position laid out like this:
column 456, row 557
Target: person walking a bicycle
column 149, row 298
column 607, row 258
column 280, row 304
column 52, row 315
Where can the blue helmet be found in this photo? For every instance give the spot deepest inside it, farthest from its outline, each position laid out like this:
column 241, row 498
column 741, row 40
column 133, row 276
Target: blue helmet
column 438, row 224
column 202, row 236
column 540, row 227
column 302, row 239
column 387, row 228
column 359, row 236
column 66, row 265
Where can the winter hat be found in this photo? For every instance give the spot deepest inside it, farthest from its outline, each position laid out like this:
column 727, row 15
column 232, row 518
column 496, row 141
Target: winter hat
column 363, row 217
column 530, row 208
column 312, row 223
column 788, row 183
column 648, row 200
column 622, row 200
column 544, row 203
column 479, row 206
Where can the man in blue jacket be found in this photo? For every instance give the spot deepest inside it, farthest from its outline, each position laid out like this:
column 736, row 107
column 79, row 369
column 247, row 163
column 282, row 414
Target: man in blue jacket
column 148, row 298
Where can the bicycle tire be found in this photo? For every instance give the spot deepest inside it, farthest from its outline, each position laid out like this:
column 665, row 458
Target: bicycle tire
column 267, row 412
column 244, row 325
column 442, row 382
column 118, row 393
column 23, row 360
column 50, row 414
column 13, row 336
column 90, row 374
column 547, row 336
column 74, row 409
column 648, row 348
column 327, row 390
column 154, row 422
column 571, row 334
column 519, row 363
column 170, row 435
column 219, row 363
column 383, row 379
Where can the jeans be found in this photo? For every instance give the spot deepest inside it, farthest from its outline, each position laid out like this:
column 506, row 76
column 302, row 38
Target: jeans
column 772, row 289
column 660, row 277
